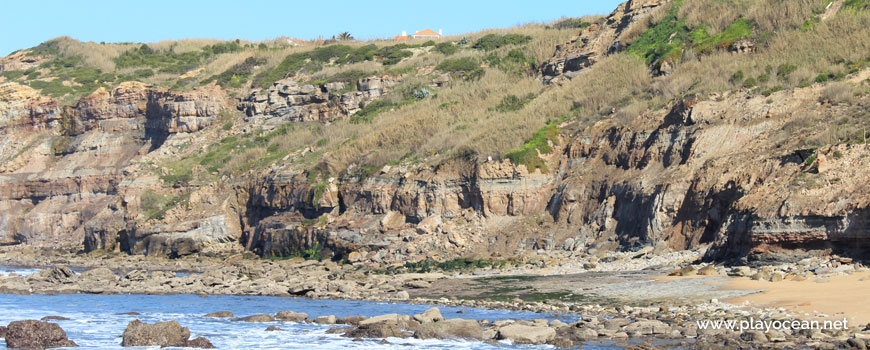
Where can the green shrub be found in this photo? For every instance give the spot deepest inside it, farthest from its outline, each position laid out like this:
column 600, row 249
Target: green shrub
column 737, row 77
column 155, row 205
column 858, row 4
column 512, row 103
column 704, row 43
column 238, row 74
column 528, row 154
column 370, row 111
column 447, row 48
column 822, row 78
column 749, row 82
column 494, row 41
column 465, row 67
column 784, row 70
column 571, row 23
column 662, row 41
column 428, row 43
column 227, row 126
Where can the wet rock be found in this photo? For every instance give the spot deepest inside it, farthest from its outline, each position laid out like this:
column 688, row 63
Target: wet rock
column 325, row 319
column 380, row 319
column 585, row 333
column 256, row 318
column 199, row 342
column 376, row 330
column 129, row 313
column 643, row 346
column 161, row 334
column 273, row 329
column 220, row 314
column 351, row 320
column 450, row 329
column 291, row 316
column 2, row 331
column 523, row 334
column 32, row 334
column 54, row 318
column 431, row 315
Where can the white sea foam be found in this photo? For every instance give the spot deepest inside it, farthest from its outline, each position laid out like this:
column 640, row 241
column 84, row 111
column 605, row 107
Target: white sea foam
column 95, row 320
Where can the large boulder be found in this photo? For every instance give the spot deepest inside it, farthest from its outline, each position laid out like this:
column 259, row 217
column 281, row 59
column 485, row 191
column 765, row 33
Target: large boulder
column 99, row 274
column 376, row 330
column 523, row 334
column 220, row 314
column 291, row 316
column 33, row 334
column 2, row 332
column 161, row 334
column 199, row 342
column 431, row 315
column 57, row 275
column 456, row 328
column 256, row 318
column 647, row 327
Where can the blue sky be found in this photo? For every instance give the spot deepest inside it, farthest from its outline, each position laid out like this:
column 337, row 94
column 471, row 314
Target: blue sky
column 25, row 24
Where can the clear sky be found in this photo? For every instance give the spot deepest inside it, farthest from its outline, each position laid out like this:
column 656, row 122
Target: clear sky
column 26, row 23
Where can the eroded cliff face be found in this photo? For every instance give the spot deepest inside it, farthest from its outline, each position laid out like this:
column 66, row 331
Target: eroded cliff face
column 598, row 40
column 439, row 210
column 63, row 178
column 730, row 171
column 289, row 101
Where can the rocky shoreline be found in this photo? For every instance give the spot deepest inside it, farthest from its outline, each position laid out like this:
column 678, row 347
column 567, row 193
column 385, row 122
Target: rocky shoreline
column 603, row 319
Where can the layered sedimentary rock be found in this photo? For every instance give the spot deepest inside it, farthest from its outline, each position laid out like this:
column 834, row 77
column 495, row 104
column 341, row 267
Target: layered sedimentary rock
column 598, row 40
column 62, row 172
column 289, row 101
column 423, row 197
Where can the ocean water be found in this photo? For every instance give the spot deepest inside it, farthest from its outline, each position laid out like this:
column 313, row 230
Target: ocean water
column 96, row 321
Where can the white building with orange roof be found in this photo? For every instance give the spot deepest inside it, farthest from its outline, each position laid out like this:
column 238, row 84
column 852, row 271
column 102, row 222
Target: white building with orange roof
column 425, row 33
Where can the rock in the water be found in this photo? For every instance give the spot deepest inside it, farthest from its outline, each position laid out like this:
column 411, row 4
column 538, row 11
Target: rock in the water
column 325, row 319
column 375, row 330
column 380, row 318
column 456, row 328
column 351, row 320
column 199, row 342
column 32, row 334
column 273, row 329
column 54, row 318
column 291, row 316
column 220, row 314
column 256, row 318
column 431, row 315
column 161, row 334
column 2, row 331
column 522, row 334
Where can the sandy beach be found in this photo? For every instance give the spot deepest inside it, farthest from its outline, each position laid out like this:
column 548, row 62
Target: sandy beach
column 836, row 297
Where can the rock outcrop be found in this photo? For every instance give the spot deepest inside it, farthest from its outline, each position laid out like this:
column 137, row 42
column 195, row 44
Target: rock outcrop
column 62, row 178
column 163, row 334
column 32, row 334
column 289, row 101
column 598, row 40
